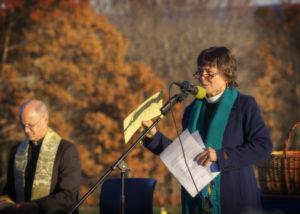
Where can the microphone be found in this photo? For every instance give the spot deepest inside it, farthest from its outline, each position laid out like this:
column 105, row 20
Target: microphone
column 197, row 91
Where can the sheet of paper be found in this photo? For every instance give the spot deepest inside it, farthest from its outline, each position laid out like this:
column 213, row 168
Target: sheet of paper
column 146, row 111
column 173, row 158
column 198, row 139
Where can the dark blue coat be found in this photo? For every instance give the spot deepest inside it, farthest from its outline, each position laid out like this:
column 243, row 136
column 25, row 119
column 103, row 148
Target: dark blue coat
column 247, row 142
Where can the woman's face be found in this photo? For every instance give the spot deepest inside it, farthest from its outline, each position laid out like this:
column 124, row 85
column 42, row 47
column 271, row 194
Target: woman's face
column 211, row 79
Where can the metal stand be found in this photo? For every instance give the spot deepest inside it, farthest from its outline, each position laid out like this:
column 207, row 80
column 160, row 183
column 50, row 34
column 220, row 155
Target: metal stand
column 164, row 110
column 123, row 167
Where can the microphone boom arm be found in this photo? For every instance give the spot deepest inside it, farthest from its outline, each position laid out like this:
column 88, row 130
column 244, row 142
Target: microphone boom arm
column 177, row 98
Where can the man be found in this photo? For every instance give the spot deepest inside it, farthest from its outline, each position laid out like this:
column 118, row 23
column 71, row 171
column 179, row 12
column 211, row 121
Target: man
column 44, row 172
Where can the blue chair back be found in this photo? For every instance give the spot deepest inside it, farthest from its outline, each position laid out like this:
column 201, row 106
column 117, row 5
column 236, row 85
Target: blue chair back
column 138, row 195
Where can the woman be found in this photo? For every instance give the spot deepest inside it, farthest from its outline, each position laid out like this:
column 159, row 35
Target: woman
column 233, row 131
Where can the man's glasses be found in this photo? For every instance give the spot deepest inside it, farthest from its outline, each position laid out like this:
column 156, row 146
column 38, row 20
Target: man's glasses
column 208, row 75
column 31, row 126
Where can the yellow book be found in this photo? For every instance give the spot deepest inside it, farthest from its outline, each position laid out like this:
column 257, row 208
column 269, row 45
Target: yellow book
column 5, row 202
column 146, row 111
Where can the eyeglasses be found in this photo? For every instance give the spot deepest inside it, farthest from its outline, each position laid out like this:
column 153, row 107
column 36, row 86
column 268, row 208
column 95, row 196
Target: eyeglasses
column 31, row 126
column 208, row 75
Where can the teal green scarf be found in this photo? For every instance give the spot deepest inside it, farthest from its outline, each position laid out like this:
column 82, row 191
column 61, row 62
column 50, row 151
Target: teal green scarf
column 208, row 200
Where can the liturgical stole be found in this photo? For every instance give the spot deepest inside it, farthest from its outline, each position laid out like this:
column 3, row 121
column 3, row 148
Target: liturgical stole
column 44, row 167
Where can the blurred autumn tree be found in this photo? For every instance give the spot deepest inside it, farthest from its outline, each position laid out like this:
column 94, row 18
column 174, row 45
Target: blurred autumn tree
column 277, row 85
column 74, row 60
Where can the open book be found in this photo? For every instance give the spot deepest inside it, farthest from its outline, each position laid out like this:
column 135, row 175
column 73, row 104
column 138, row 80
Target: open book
column 173, row 157
column 5, row 202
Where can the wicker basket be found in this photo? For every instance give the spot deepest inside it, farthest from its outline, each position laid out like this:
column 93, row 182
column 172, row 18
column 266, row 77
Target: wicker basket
column 280, row 174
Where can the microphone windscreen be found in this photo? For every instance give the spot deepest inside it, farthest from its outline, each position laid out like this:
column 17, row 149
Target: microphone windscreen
column 201, row 92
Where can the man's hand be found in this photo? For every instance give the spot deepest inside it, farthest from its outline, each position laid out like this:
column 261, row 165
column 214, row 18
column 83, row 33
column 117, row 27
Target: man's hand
column 209, row 155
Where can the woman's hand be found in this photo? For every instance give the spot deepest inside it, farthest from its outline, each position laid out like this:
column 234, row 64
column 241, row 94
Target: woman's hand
column 147, row 124
column 209, row 155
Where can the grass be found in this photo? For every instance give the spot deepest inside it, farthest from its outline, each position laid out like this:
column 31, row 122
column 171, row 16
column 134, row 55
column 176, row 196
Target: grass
column 156, row 210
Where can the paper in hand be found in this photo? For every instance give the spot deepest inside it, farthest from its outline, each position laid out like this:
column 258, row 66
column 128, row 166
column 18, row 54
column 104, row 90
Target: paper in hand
column 173, row 158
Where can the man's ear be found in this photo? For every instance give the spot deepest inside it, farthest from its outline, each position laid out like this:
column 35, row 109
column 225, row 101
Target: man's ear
column 46, row 119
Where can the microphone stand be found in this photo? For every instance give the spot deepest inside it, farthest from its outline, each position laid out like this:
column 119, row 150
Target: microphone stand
column 164, row 110
column 123, row 167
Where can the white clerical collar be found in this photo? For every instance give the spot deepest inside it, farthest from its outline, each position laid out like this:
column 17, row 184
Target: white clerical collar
column 35, row 143
column 214, row 99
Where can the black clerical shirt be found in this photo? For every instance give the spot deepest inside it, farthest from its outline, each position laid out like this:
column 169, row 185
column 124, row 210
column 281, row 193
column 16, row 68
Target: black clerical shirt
column 33, row 155
column 209, row 111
